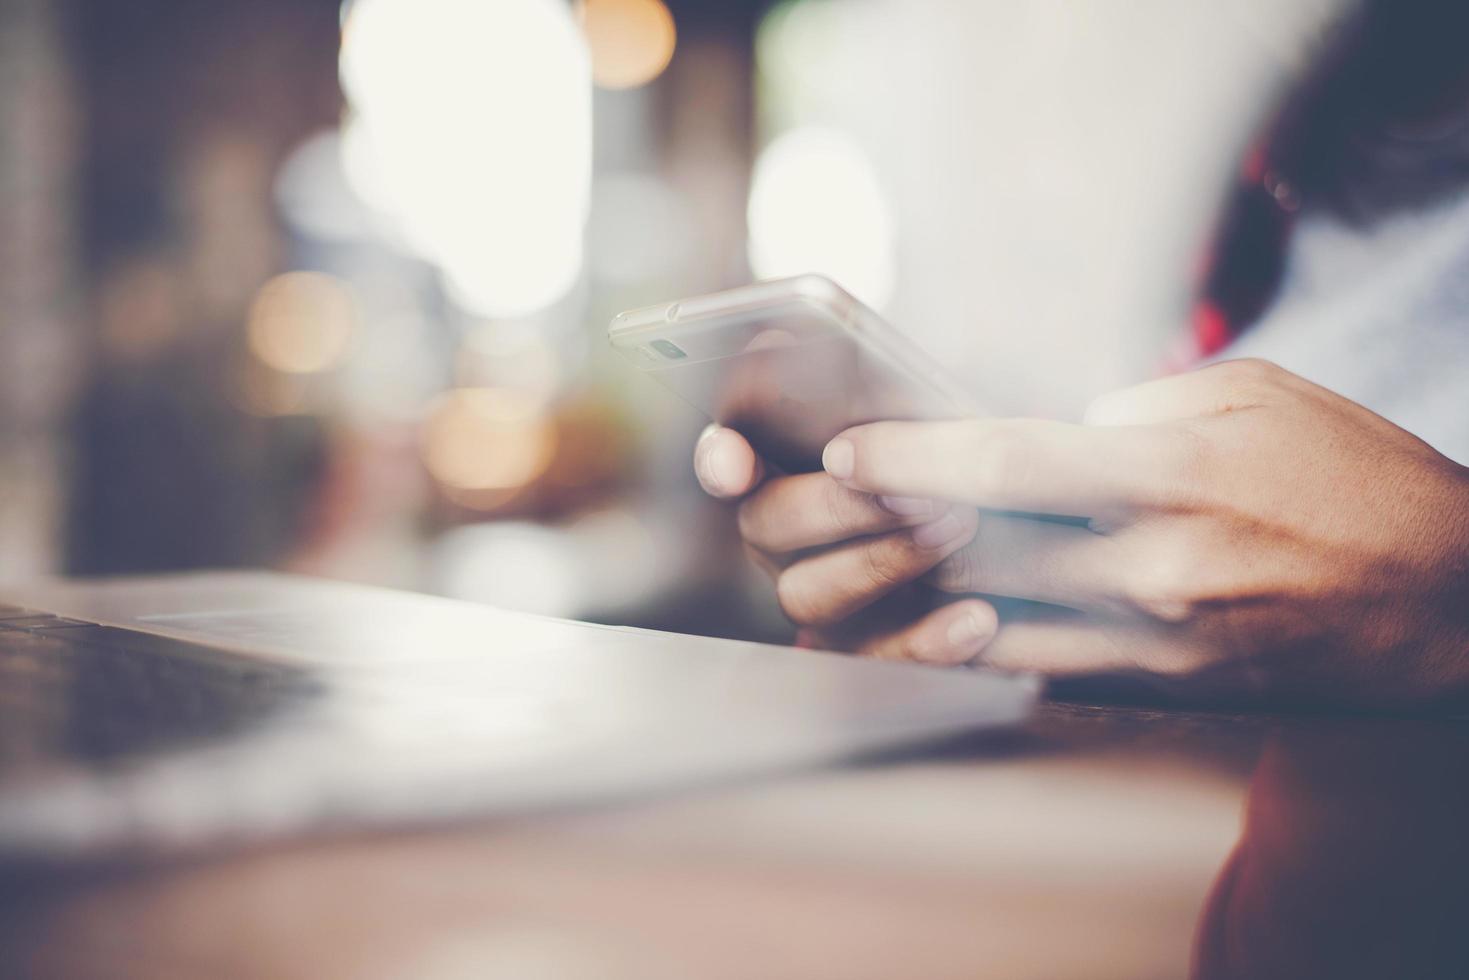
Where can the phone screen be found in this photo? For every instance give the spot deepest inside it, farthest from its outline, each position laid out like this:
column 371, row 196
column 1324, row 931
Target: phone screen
column 791, row 372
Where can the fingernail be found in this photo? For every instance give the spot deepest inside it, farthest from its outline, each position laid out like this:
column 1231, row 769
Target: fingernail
column 709, row 474
column 936, row 534
column 968, row 633
column 839, row 459
column 907, row 506
column 724, row 472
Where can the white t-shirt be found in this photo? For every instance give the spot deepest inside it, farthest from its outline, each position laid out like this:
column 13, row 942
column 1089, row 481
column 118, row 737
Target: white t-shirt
column 1380, row 316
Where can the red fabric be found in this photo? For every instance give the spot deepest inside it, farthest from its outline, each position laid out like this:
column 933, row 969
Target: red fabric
column 1240, row 269
column 1212, row 330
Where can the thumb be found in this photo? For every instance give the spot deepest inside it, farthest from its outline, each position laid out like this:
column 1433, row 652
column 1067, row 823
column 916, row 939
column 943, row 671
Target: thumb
column 725, row 464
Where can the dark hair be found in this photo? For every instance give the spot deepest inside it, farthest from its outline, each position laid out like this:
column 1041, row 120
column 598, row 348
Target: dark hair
column 1382, row 124
column 1379, row 126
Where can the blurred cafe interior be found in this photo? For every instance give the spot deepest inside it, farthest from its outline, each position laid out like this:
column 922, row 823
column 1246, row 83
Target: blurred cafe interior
column 324, row 287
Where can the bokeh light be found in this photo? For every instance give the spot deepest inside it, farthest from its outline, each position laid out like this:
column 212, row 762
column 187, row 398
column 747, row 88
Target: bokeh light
column 488, row 439
column 631, row 41
column 315, row 197
column 471, row 130
column 816, row 206
column 301, row 322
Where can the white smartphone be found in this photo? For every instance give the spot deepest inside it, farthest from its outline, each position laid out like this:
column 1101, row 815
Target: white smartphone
column 789, row 364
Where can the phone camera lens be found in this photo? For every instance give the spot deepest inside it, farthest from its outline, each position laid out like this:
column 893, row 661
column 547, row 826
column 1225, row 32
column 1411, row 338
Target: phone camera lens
column 669, row 350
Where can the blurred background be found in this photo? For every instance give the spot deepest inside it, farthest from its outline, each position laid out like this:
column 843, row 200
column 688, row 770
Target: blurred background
column 324, row 287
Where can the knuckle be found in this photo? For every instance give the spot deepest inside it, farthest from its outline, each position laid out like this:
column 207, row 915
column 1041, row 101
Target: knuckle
column 839, row 505
column 884, row 564
column 797, row 600
column 959, row 572
column 1162, row 588
column 1176, row 664
column 1253, row 368
column 912, row 645
column 1176, row 661
column 1159, row 600
column 1248, row 380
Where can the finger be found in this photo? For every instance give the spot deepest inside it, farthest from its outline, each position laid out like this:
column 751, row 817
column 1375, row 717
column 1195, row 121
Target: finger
column 951, row 635
column 829, row 587
column 1064, row 644
column 1008, row 464
column 1025, row 558
column 888, row 615
column 796, row 512
column 725, row 464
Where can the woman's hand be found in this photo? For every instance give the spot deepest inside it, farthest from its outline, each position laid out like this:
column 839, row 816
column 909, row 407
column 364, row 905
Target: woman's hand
column 1238, row 520
column 844, row 562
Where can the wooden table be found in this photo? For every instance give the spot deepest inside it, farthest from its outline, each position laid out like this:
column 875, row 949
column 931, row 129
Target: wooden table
column 1098, row 843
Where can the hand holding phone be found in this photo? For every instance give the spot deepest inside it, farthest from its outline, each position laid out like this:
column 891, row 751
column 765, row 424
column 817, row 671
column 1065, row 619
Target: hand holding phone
column 783, row 367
